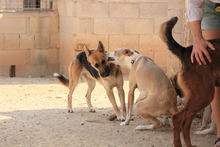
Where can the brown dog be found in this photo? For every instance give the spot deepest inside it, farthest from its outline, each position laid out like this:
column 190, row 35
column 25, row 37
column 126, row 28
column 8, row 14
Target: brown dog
column 207, row 114
column 94, row 66
column 196, row 81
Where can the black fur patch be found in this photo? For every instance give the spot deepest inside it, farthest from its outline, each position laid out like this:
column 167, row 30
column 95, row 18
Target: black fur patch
column 83, row 60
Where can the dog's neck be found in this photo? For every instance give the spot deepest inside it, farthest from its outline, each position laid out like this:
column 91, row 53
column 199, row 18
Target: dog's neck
column 130, row 60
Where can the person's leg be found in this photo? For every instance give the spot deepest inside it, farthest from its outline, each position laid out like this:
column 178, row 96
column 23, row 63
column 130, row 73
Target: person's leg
column 215, row 104
column 216, row 111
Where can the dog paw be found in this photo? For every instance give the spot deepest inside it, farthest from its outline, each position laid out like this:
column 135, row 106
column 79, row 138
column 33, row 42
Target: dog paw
column 92, row 110
column 121, row 118
column 144, row 127
column 70, row 111
column 123, row 124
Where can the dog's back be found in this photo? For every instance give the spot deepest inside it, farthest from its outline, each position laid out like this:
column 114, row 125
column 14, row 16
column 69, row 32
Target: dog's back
column 81, row 57
column 184, row 53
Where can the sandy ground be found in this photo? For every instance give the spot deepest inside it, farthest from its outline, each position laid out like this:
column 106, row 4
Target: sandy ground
column 33, row 113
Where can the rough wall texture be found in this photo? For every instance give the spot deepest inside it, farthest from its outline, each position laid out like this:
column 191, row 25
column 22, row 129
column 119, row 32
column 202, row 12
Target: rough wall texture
column 117, row 23
column 40, row 43
column 29, row 40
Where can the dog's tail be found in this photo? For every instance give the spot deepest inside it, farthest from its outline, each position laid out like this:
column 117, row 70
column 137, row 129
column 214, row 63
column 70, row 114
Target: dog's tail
column 62, row 79
column 166, row 35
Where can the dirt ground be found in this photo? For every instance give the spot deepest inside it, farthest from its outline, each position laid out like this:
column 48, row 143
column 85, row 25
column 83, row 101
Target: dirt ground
column 33, row 113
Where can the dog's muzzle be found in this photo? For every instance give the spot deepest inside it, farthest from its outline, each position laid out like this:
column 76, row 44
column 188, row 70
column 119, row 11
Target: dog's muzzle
column 111, row 59
column 105, row 72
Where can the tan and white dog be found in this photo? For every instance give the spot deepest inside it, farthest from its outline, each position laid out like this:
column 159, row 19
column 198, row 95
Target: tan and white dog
column 92, row 66
column 157, row 95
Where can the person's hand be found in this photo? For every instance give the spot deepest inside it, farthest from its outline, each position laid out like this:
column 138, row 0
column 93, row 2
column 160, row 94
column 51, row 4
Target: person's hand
column 200, row 48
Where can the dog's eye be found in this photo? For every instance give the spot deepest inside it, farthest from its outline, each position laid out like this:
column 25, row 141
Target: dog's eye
column 96, row 65
column 103, row 62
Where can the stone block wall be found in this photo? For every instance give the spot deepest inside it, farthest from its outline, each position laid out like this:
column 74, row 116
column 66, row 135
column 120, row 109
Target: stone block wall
column 42, row 42
column 133, row 24
column 30, row 41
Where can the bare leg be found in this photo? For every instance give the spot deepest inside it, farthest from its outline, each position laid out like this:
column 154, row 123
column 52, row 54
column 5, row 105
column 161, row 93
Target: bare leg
column 213, row 34
column 216, row 111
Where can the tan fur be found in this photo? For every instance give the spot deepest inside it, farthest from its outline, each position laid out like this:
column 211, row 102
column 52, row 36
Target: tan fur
column 115, row 79
column 157, row 95
column 207, row 115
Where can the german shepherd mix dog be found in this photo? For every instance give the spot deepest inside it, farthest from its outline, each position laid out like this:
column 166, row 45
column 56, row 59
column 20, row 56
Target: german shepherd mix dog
column 94, row 66
column 196, row 81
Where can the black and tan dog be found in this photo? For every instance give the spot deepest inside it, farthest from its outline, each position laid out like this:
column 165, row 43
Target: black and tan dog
column 93, row 66
column 196, row 81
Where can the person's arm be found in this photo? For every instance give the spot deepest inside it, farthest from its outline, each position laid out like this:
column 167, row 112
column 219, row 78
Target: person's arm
column 195, row 14
column 199, row 44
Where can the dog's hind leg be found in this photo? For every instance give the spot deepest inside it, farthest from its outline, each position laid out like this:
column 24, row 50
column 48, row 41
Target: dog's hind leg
column 91, row 85
column 74, row 73
column 177, row 120
column 144, row 109
column 186, row 130
column 155, row 123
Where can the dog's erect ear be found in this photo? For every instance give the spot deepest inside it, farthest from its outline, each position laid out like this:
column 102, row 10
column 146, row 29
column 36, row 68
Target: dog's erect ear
column 88, row 52
column 136, row 51
column 127, row 52
column 101, row 47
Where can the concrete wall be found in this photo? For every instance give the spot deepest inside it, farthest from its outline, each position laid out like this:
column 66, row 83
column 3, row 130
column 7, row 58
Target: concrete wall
column 117, row 23
column 30, row 41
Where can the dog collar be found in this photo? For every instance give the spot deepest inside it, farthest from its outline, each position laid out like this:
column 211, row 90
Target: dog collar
column 132, row 61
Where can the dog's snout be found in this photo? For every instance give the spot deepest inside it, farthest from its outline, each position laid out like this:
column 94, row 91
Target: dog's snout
column 111, row 59
column 105, row 72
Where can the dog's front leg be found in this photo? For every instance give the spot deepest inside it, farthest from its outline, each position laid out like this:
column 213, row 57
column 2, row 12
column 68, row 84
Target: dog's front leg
column 111, row 97
column 130, row 107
